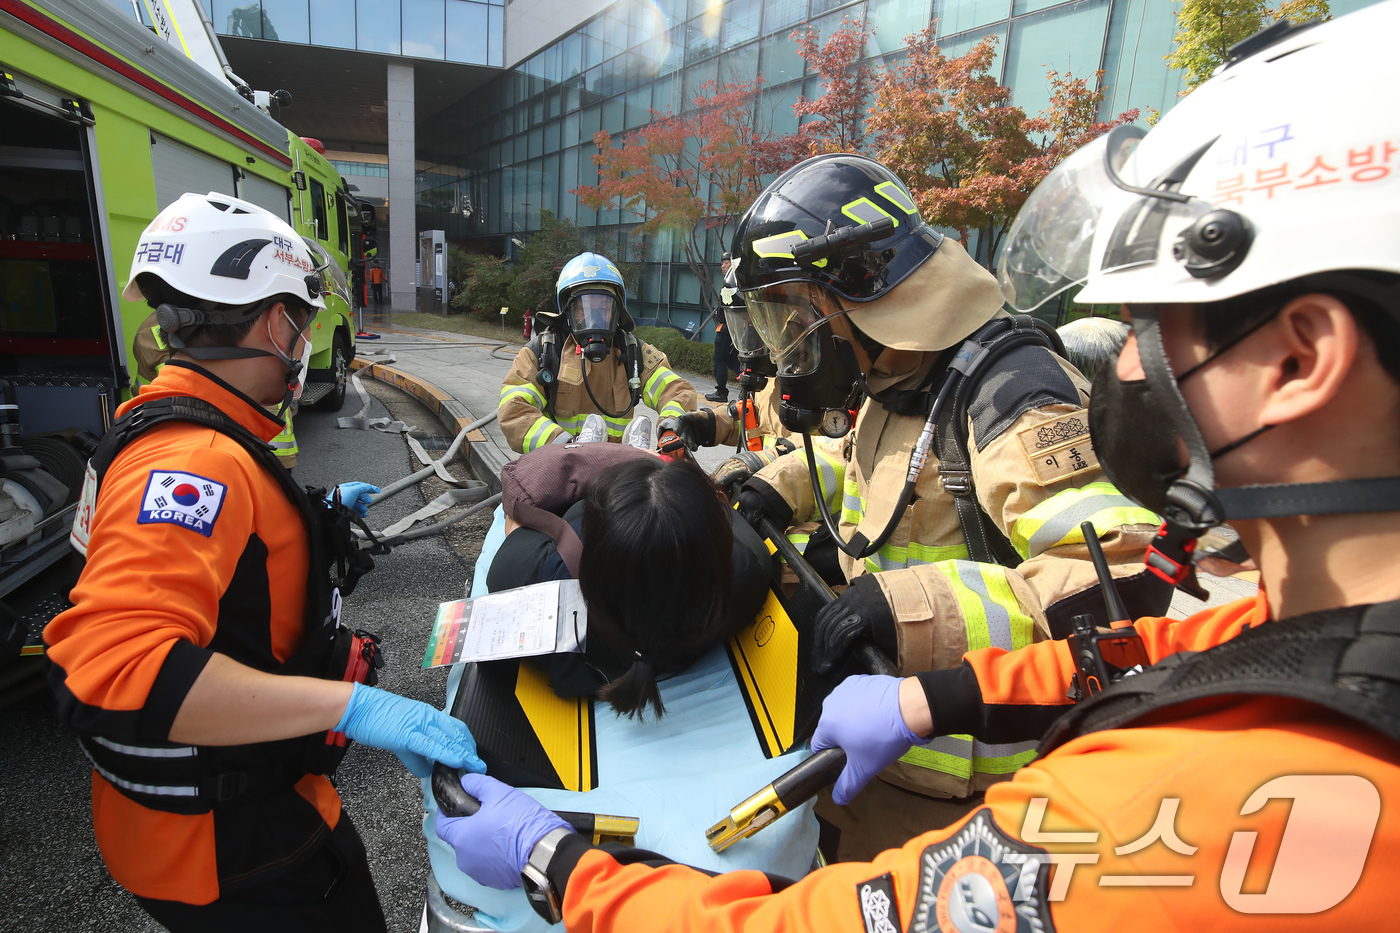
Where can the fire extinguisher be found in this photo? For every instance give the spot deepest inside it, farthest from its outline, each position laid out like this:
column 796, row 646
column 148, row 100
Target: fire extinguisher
column 529, row 316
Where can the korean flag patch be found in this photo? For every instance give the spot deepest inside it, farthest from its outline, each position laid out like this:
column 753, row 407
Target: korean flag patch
column 183, row 499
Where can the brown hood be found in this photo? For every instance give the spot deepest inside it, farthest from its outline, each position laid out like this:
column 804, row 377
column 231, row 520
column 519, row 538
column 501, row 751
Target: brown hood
column 943, row 301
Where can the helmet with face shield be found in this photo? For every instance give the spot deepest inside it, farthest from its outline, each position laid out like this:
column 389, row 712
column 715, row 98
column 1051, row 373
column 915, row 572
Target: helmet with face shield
column 592, row 301
column 1278, row 176
column 832, row 232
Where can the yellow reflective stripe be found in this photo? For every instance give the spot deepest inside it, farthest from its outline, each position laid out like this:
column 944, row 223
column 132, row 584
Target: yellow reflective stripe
column 780, row 245
column 1056, row 520
column 528, row 392
column 616, row 426
column 897, row 557
column 672, row 409
column 891, row 192
column 538, row 434
column 991, row 613
column 961, row 755
column 992, row 617
column 801, row 541
column 864, row 211
column 155, row 332
column 852, row 502
column 655, row 385
column 830, row 474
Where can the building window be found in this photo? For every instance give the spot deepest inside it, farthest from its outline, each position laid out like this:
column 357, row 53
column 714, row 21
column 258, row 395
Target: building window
column 467, row 32
column 377, row 26
column 423, row 28
column 332, row 24
column 1065, row 38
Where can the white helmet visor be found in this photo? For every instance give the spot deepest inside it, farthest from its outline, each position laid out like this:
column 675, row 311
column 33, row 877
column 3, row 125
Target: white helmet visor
column 1050, row 247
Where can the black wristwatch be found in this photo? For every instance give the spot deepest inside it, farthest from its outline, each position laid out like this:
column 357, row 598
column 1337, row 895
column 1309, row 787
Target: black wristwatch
column 535, row 877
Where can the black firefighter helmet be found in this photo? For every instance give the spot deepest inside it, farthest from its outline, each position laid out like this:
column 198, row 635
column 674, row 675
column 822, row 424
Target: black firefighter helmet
column 867, row 230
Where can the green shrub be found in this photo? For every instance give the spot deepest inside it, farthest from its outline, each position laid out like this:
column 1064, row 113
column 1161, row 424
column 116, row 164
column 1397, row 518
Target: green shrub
column 691, row 356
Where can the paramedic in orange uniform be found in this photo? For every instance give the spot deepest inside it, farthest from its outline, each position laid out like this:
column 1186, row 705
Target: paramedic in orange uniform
column 202, row 663
column 1249, row 778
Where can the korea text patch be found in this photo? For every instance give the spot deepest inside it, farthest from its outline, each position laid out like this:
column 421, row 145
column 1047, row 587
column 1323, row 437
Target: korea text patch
column 183, row 499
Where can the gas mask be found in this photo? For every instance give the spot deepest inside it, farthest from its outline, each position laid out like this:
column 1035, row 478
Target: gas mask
column 592, row 316
column 818, row 376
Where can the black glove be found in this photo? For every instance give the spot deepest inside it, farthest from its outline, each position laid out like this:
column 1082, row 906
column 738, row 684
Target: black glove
column 860, row 612
column 697, row 428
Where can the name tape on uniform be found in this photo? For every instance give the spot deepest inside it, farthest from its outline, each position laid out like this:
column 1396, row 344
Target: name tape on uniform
column 183, row 499
column 1059, row 448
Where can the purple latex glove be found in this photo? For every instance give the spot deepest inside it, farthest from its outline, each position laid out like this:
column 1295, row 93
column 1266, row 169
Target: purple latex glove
column 493, row 844
column 862, row 717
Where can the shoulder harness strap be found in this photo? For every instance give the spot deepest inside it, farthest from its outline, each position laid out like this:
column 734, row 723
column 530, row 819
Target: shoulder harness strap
column 544, row 345
column 1345, row 660
column 986, row 542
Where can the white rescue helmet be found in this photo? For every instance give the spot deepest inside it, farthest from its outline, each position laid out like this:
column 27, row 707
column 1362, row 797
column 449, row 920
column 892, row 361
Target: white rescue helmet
column 227, row 251
column 1285, row 164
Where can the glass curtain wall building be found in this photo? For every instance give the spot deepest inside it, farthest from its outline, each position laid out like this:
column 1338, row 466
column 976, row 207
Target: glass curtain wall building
column 447, row 30
column 519, row 147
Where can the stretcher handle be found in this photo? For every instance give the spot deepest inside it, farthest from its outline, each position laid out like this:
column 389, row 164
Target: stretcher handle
column 802, row 783
column 452, row 800
column 867, row 655
column 447, row 791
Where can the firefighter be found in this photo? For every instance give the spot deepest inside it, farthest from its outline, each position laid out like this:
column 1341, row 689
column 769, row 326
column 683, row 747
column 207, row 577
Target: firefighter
column 853, row 293
column 584, row 359
column 204, row 663
column 1251, row 785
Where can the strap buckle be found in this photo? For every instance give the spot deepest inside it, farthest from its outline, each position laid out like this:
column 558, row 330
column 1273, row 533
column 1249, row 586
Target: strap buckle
column 229, row 785
column 957, row 482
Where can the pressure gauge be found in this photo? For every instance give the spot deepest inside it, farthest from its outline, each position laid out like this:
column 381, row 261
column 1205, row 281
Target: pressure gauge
column 836, row 422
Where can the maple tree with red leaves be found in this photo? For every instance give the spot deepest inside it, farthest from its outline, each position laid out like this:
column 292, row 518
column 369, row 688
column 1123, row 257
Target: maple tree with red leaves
column 694, row 172
column 838, row 123
column 948, row 127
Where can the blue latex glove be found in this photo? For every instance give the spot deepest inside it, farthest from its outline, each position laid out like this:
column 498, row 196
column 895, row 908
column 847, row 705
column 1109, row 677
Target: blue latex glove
column 356, row 496
column 862, row 717
column 416, row 732
column 493, row 844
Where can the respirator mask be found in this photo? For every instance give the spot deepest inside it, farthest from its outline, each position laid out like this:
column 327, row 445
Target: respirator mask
column 592, row 319
column 818, row 376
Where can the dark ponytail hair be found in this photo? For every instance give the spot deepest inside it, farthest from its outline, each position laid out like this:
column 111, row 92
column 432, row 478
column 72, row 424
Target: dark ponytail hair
column 657, row 566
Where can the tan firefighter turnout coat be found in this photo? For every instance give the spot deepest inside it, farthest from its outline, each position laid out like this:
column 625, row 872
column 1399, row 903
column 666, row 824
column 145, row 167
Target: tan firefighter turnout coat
column 1037, row 476
column 528, row 427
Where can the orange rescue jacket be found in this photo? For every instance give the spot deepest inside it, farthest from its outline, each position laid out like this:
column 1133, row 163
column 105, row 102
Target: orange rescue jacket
column 1181, row 824
column 160, row 592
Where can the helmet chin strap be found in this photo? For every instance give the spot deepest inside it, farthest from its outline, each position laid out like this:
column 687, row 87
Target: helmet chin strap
column 1193, row 502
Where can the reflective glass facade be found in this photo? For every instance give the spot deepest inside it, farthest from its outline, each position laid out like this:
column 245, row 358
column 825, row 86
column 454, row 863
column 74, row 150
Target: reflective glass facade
column 447, row 30
column 525, row 142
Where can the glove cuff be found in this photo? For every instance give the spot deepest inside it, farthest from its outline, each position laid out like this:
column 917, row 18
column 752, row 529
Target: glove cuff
column 876, row 608
column 774, row 505
column 357, row 697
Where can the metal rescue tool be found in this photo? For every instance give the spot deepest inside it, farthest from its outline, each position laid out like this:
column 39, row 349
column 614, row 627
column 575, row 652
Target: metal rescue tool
column 452, row 800
column 789, row 791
